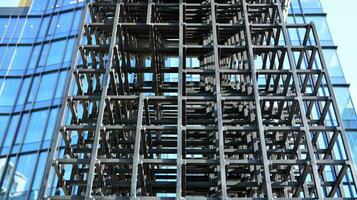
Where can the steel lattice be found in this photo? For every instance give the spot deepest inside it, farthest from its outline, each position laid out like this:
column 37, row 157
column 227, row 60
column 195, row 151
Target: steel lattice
column 198, row 99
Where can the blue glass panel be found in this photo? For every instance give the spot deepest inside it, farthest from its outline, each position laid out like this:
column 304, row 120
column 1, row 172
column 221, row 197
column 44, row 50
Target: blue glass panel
column 63, row 27
column 56, row 52
column 69, row 52
column 3, row 26
column 47, row 87
column 2, row 165
column 23, row 176
column 44, row 54
column 346, row 107
column 58, row 5
column 311, row 6
column 35, row 129
column 18, row 29
column 352, row 139
column 2, row 54
column 295, row 6
column 322, row 29
column 61, row 84
column 8, row 174
column 11, row 132
column 34, row 57
column 51, row 124
column 53, row 26
column 70, row 3
column 34, row 86
column 24, row 90
column 8, row 91
column 333, row 66
column 10, row 29
column 21, row 57
column 76, row 22
column 30, row 30
column 37, row 7
column 44, row 27
column 51, row 5
column 7, row 58
column 39, row 174
column 21, row 132
column 4, row 119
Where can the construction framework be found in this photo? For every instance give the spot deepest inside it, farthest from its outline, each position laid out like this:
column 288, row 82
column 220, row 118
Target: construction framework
column 198, row 99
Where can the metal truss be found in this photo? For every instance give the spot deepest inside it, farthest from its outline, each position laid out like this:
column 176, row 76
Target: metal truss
column 254, row 118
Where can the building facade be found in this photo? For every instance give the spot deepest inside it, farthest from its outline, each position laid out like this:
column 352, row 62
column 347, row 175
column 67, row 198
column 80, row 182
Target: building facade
column 158, row 78
column 37, row 39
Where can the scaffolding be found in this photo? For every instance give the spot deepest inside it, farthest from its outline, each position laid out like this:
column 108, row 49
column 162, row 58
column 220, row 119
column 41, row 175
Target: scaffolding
column 198, row 99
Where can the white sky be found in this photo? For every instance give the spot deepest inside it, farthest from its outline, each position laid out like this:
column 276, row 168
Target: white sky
column 342, row 20
column 9, row 3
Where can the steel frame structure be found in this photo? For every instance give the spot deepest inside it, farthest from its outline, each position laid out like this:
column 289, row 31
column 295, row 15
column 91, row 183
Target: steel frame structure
column 260, row 121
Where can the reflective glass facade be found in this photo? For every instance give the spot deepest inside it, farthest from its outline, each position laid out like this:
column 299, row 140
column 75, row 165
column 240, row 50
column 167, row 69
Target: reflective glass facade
column 36, row 45
column 311, row 10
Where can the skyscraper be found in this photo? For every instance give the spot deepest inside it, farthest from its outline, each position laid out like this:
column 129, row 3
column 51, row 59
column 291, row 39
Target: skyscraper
column 191, row 99
column 260, row 120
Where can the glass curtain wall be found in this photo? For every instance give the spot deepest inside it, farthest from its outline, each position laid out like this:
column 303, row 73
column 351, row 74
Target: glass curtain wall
column 35, row 55
column 305, row 11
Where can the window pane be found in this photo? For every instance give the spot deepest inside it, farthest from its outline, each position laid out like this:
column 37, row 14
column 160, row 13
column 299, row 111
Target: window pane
column 22, row 130
column 31, row 28
column 34, row 57
column 8, row 91
column 77, row 22
column 11, row 132
column 21, row 57
column 2, row 166
column 47, row 87
column 37, row 7
column 10, row 28
column 24, row 90
column 44, row 27
column 58, row 4
column 35, row 130
column 4, row 119
column 69, row 51
column 53, row 25
column 34, row 86
column 51, row 124
column 8, row 57
column 63, row 27
column 333, row 66
column 70, row 3
column 311, row 6
column 51, row 4
column 43, row 56
column 61, row 84
column 2, row 54
column 3, row 25
column 345, row 106
column 18, row 29
column 56, row 52
column 322, row 29
column 8, row 174
column 39, row 172
column 352, row 136
column 23, row 175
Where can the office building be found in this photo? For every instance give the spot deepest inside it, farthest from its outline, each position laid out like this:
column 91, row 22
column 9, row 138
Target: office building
column 191, row 99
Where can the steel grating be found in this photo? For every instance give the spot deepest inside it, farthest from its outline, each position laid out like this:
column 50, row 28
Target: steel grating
column 205, row 99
